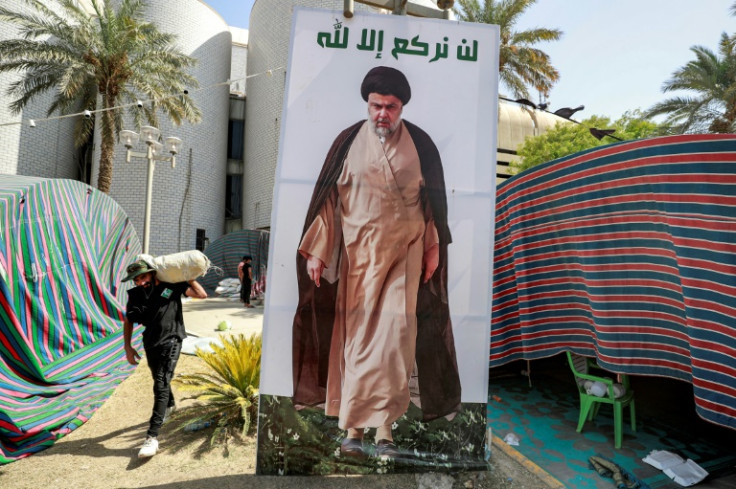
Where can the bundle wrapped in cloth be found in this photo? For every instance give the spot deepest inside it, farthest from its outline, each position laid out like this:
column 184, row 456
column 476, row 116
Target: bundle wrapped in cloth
column 179, row 267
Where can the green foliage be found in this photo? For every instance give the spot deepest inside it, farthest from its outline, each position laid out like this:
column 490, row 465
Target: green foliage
column 229, row 392
column 569, row 138
column 521, row 65
column 114, row 55
column 308, row 442
column 711, row 81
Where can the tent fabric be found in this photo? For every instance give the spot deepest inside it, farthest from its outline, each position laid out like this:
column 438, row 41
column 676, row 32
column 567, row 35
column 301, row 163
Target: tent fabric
column 626, row 253
column 63, row 251
column 227, row 251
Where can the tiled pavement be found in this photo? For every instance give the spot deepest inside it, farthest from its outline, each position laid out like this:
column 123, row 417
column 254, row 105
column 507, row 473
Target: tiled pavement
column 544, row 417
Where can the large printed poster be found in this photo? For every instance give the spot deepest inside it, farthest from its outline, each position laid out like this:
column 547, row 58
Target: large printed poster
column 377, row 320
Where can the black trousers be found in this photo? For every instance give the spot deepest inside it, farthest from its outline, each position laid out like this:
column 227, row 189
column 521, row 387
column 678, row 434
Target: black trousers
column 162, row 362
column 245, row 287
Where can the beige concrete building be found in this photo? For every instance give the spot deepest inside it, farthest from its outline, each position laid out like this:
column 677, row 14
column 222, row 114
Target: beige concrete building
column 516, row 122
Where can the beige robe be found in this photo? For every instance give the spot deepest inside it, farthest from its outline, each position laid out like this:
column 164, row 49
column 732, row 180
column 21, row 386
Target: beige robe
column 376, row 220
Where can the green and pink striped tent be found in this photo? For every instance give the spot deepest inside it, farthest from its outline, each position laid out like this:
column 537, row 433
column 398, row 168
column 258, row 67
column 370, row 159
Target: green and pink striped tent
column 626, row 253
column 63, row 251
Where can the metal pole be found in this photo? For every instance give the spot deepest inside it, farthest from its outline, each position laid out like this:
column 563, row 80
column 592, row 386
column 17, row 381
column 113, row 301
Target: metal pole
column 399, row 7
column 348, row 8
column 149, row 195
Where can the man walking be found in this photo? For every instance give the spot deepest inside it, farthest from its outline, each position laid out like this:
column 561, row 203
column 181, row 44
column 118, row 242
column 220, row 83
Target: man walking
column 372, row 273
column 157, row 306
column 245, row 274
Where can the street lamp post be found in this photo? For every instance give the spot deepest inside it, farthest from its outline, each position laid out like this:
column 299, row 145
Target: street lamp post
column 150, row 136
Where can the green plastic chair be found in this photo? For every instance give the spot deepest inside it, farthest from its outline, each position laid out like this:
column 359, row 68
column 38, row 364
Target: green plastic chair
column 589, row 403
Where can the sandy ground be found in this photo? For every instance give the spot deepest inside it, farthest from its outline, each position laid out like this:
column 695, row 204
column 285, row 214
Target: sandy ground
column 201, row 317
column 103, row 452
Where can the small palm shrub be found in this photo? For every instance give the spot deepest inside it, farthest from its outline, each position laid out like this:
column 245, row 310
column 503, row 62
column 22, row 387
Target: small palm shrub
column 229, row 392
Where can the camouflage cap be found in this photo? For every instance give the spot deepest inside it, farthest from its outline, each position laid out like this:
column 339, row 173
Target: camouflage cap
column 136, row 268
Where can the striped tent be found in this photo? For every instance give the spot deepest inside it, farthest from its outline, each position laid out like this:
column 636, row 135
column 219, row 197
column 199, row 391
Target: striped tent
column 227, row 251
column 63, row 250
column 626, row 253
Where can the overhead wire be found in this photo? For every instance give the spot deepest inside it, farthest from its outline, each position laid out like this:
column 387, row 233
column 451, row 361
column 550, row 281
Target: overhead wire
column 33, row 122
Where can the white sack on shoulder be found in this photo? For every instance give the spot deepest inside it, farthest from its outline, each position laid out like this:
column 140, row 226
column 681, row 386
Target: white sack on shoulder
column 179, row 267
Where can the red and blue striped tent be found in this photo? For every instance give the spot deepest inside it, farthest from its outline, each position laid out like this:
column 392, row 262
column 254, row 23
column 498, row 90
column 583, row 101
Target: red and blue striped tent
column 626, row 253
column 63, row 251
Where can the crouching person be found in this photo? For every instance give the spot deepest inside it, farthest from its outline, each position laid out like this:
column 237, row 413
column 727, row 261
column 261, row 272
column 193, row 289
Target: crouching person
column 157, row 306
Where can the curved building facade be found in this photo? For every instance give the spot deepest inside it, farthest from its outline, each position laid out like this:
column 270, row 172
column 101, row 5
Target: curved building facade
column 46, row 150
column 188, row 200
column 516, row 122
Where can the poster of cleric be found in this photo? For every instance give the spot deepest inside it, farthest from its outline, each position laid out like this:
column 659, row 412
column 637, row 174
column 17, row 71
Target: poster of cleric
column 377, row 315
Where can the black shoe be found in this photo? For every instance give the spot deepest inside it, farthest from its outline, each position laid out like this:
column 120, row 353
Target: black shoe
column 387, row 449
column 352, row 447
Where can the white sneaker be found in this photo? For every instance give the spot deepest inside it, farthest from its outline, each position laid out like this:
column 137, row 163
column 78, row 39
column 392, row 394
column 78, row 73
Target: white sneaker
column 149, row 448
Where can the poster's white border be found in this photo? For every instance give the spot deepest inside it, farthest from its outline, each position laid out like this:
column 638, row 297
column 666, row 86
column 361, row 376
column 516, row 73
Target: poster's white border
column 480, row 371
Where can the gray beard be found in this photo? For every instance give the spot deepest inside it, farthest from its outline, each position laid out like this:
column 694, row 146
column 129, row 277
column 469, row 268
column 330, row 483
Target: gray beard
column 384, row 132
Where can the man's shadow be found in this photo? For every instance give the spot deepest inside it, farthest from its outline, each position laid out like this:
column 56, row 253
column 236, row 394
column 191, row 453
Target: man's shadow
column 95, row 447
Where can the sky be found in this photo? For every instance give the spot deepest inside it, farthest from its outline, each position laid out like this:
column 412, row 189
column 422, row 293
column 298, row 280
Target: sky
column 614, row 55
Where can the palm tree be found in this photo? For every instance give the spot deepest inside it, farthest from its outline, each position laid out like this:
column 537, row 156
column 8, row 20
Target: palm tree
column 520, row 63
column 732, row 9
column 114, row 56
column 711, row 78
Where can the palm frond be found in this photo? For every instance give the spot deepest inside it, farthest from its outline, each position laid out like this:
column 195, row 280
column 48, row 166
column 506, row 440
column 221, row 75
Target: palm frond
column 710, row 81
column 230, row 387
column 521, row 65
column 61, row 49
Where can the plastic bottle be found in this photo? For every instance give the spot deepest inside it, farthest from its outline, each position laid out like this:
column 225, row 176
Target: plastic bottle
column 197, row 425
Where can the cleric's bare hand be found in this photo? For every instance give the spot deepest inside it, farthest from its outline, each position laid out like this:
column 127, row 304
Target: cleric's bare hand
column 430, row 261
column 315, row 266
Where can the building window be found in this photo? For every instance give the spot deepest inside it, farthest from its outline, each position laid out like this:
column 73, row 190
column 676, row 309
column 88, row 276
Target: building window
column 201, row 242
column 235, row 133
column 234, row 197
